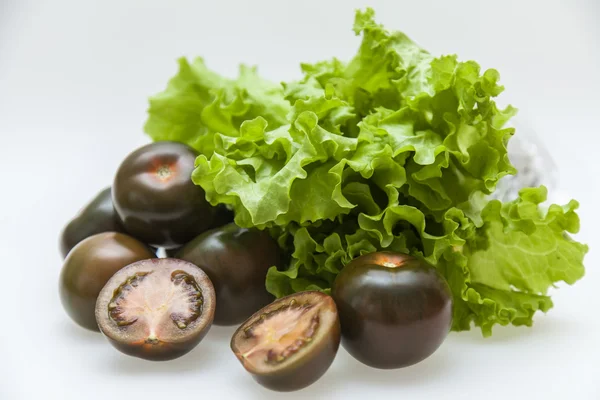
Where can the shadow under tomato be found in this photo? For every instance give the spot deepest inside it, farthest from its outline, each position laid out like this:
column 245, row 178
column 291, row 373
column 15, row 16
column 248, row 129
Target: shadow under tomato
column 203, row 356
column 79, row 335
column 544, row 326
column 347, row 372
column 423, row 373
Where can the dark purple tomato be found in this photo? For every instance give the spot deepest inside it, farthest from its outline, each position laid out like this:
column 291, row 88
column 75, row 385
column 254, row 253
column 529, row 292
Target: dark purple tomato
column 290, row 343
column 223, row 216
column 395, row 310
column 236, row 261
column 88, row 267
column 96, row 217
column 155, row 198
column 171, row 253
column 157, row 309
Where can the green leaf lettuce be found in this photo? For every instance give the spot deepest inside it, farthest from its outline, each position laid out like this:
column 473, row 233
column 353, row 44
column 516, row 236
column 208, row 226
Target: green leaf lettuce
column 395, row 150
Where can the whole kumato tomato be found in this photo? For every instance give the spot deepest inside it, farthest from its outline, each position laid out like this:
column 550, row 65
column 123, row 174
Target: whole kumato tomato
column 395, row 310
column 236, row 260
column 155, row 198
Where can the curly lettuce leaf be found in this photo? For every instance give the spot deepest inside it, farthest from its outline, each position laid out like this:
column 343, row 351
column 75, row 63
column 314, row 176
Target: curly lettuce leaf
column 198, row 103
column 397, row 150
column 499, row 273
column 297, row 172
column 519, row 253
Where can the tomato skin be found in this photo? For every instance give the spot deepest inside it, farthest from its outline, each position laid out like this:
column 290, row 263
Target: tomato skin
column 155, row 198
column 95, row 217
column 223, row 216
column 395, row 310
column 236, row 261
column 88, row 267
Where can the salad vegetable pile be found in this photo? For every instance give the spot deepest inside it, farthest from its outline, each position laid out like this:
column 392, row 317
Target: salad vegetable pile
column 351, row 207
column 394, row 150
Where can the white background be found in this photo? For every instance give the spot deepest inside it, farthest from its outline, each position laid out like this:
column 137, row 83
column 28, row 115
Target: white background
column 74, row 78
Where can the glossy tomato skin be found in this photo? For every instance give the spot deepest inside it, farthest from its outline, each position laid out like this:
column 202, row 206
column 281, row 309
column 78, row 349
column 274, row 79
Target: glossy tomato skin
column 88, row 267
column 96, row 217
column 236, row 260
column 395, row 310
column 171, row 253
column 223, row 216
column 155, row 198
